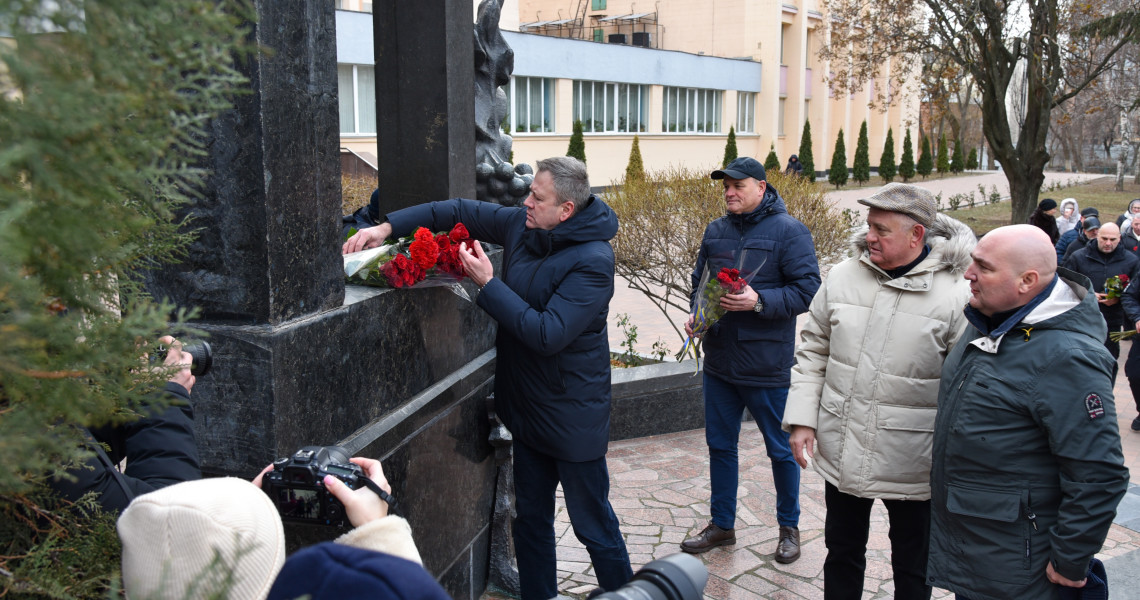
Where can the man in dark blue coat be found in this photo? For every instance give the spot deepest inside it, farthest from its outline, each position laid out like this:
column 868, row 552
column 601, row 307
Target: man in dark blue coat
column 750, row 350
column 552, row 378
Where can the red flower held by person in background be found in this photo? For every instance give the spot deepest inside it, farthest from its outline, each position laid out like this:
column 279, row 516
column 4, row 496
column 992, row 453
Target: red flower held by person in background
column 1114, row 287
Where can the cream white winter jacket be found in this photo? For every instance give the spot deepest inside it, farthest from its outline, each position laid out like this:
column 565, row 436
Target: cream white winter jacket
column 869, row 362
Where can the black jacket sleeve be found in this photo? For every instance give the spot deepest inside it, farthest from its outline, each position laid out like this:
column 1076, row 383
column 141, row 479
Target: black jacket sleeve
column 160, row 450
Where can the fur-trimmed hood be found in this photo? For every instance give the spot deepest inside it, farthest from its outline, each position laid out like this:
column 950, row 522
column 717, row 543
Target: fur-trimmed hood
column 951, row 242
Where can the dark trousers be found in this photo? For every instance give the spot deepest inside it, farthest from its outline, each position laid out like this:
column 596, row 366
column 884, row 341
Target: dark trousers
column 1132, row 370
column 586, row 488
column 724, row 408
column 845, row 534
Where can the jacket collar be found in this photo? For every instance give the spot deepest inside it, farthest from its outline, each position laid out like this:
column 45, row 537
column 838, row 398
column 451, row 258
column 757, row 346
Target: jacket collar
column 1058, row 298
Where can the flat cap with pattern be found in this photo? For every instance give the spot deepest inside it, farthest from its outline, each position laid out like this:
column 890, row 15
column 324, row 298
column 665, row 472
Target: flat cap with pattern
column 910, row 200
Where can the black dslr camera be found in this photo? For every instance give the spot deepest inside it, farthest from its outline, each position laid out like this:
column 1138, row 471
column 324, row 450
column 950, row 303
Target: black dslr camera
column 296, row 485
column 201, row 356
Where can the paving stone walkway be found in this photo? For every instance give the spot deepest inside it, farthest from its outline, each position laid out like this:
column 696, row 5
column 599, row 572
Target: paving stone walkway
column 660, row 492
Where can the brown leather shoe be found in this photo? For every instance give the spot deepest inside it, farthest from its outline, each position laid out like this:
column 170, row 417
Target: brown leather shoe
column 710, row 538
column 788, row 550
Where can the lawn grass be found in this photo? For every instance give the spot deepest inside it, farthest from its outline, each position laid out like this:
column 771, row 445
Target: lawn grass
column 1098, row 193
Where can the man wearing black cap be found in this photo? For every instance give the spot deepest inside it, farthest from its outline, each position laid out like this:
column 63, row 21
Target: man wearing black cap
column 1078, row 233
column 749, row 351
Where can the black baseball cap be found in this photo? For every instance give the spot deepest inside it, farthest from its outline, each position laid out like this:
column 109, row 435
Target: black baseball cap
column 741, row 168
column 1090, row 211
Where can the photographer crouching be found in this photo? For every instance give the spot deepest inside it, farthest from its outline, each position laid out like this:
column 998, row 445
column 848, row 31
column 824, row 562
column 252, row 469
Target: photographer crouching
column 225, row 538
column 160, row 448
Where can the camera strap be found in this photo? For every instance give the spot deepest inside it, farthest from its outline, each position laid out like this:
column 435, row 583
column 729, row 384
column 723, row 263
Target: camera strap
column 393, row 507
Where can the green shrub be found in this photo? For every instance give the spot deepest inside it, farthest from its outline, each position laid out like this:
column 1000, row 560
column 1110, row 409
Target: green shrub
column 861, row 168
column 635, row 170
column 837, row 174
column 105, row 126
column 943, row 163
column 729, row 148
column 807, row 158
column 577, row 148
column 925, row 160
column 906, row 164
column 887, row 160
column 772, row 162
column 972, row 159
column 957, row 161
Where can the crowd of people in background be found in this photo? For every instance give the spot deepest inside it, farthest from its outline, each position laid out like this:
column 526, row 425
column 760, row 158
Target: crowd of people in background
column 967, row 384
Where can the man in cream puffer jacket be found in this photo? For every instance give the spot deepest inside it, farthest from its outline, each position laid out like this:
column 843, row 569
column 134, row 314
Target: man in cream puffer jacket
column 865, row 384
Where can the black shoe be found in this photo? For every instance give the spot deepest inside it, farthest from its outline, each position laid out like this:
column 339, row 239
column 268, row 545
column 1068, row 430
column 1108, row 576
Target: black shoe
column 788, row 550
column 711, row 537
column 1136, row 424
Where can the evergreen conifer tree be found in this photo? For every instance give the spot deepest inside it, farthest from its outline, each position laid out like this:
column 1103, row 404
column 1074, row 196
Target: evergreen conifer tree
column 925, row 161
column 957, row 161
column 805, row 155
column 772, row 162
column 887, row 161
column 943, row 161
column 730, row 147
column 837, row 174
column 577, row 147
column 861, row 168
column 972, row 159
column 105, row 124
column 906, row 164
column 635, row 170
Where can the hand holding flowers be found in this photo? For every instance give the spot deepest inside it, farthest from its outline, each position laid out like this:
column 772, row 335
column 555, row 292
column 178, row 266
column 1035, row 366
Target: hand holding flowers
column 427, row 258
column 728, row 291
column 1114, row 287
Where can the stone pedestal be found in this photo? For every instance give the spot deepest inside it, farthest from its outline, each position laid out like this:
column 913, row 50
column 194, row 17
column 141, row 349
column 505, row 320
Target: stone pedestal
column 398, row 375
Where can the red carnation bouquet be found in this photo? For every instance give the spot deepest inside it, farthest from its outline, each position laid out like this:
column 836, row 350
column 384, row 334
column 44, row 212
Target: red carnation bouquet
column 707, row 309
column 425, row 259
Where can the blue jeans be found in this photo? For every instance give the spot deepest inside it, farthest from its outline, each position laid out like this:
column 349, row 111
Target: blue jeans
column 724, row 408
column 586, row 489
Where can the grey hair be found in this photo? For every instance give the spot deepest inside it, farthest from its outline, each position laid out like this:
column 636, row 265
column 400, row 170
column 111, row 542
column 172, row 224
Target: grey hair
column 571, row 184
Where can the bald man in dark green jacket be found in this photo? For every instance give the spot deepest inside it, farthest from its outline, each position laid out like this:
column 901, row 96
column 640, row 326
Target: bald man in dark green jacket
column 1027, row 468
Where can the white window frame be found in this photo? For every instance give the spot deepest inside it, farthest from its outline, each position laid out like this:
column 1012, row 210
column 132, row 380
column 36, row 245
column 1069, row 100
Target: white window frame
column 356, row 132
column 636, row 112
column 691, row 108
column 746, row 112
column 544, row 87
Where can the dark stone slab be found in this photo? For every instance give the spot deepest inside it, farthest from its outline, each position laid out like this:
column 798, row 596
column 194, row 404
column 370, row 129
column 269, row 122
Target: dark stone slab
column 269, row 215
column 316, row 381
column 425, row 109
column 656, row 399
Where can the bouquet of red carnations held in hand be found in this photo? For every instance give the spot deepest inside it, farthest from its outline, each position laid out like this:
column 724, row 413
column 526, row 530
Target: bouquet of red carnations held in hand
column 425, row 259
column 1114, row 287
column 707, row 309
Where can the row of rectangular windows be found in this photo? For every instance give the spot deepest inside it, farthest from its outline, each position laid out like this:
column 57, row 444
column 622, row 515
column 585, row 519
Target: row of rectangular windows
column 600, row 106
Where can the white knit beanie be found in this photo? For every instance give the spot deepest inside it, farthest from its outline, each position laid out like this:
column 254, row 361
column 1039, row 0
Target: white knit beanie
column 182, row 541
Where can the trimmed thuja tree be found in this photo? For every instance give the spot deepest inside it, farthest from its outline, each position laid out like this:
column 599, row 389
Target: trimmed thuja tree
column 943, row 161
column 925, row 161
column 887, row 161
column 805, row 156
column 837, row 174
column 906, row 163
column 87, row 202
column 972, row 159
column 635, row 170
column 729, row 148
column 577, row 148
column 772, row 162
column 861, row 168
column 957, row 161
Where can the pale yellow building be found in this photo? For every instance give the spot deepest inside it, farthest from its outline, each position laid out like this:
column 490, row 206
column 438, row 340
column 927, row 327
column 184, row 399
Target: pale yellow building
column 675, row 72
